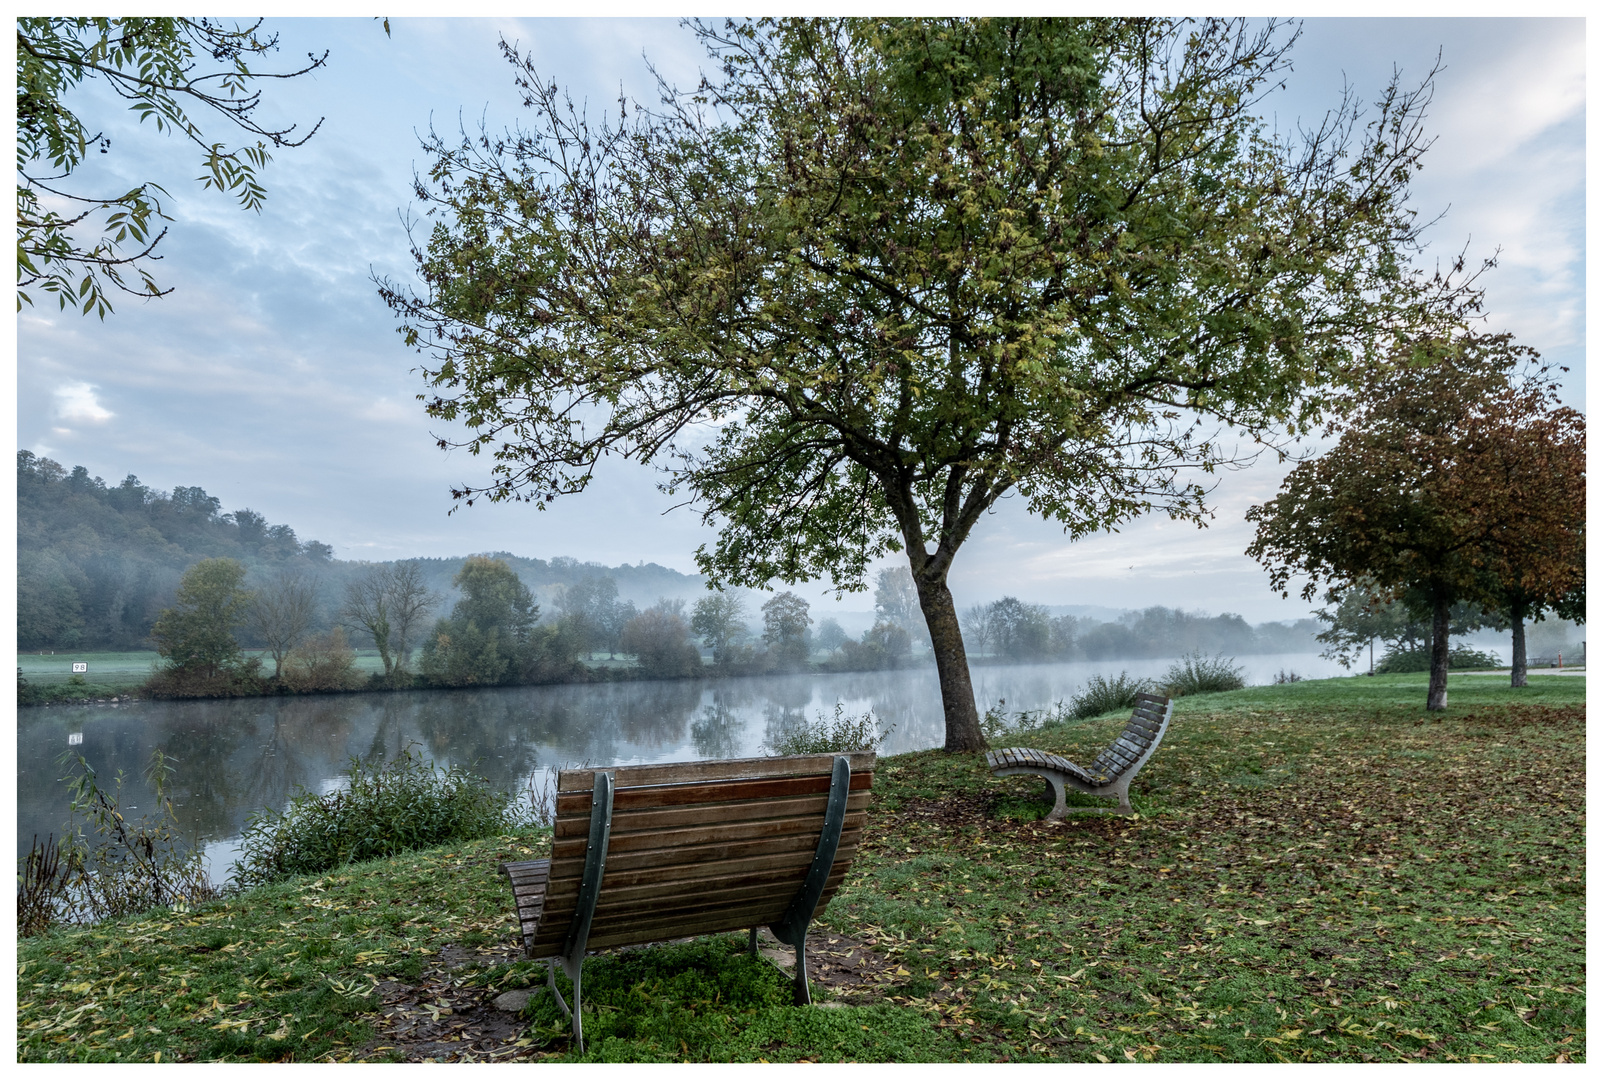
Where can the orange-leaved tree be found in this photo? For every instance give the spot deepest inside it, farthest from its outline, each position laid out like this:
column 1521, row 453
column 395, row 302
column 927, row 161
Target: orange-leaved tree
column 1438, row 485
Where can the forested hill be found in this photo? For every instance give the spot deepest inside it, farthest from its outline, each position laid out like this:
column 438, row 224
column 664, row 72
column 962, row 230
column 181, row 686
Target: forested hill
column 96, row 563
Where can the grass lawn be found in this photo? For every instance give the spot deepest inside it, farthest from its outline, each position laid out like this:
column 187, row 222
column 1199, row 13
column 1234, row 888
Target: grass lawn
column 1320, row 871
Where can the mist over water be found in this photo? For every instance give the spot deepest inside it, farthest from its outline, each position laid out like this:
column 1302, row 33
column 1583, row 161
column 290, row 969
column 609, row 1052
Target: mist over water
column 236, row 756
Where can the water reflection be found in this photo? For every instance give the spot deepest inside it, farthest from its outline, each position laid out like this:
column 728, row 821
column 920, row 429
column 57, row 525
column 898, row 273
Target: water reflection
column 234, row 757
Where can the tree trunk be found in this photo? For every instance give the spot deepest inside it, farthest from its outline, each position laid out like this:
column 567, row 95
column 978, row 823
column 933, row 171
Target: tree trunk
column 1516, row 677
column 1440, row 624
column 951, row 662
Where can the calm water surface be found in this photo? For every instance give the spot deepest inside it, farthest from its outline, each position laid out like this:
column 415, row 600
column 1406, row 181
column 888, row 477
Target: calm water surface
column 234, row 757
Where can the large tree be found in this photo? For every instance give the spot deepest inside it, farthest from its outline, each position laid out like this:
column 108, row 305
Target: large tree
column 1421, row 496
column 872, row 275
column 76, row 244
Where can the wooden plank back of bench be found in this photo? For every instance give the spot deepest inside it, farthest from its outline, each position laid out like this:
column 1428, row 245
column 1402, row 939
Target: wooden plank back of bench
column 697, row 847
column 1135, row 740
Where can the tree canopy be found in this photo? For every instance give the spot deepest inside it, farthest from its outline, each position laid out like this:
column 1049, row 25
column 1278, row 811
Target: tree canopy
column 196, row 634
column 1432, row 492
column 172, row 72
column 869, row 276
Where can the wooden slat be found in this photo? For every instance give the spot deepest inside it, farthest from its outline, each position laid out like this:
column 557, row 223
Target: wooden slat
column 621, row 877
column 696, row 844
column 694, row 772
column 778, row 847
column 639, row 798
column 676, row 817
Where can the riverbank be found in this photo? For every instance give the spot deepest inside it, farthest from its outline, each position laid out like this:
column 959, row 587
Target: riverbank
column 120, row 677
column 1319, row 871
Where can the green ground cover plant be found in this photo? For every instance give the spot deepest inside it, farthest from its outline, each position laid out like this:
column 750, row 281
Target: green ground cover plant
column 1319, row 871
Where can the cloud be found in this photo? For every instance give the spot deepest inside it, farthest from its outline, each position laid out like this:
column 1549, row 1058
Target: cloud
column 76, row 402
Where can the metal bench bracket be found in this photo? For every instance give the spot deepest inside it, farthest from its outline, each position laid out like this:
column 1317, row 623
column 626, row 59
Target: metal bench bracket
column 791, row 929
column 595, row 865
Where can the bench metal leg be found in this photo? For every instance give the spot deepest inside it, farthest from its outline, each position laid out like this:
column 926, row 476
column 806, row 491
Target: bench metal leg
column 792, row 928
column 804, row 994
column 551, row 981
column 1060, row 805
column 754, row 941
column 595, row 866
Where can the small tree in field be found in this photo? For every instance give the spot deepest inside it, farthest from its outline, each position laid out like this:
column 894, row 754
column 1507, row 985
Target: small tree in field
column 873, row 275
column 281, row 613
column 196, row 634
column 1417, row 496
column 785, row 623
column 720, row 620
column 660, row 641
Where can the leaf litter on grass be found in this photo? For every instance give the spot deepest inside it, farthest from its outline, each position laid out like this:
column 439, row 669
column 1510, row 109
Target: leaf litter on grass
column 1304, row 881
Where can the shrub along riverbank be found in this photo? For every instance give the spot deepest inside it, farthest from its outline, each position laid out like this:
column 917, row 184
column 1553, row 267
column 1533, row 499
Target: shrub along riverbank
column 1319, row 871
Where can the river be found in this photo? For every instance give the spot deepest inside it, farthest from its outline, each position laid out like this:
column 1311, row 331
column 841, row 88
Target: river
column 236, row 756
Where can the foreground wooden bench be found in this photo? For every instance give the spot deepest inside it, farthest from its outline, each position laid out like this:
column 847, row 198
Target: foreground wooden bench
column 644, row 853
column 1109, row 775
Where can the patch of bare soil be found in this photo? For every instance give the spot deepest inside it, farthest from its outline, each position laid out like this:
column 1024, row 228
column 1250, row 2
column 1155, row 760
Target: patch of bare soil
column 439, row 1019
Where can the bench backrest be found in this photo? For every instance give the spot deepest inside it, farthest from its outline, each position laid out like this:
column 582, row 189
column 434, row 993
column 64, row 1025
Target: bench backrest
column 1138, row 738
column 697, row 847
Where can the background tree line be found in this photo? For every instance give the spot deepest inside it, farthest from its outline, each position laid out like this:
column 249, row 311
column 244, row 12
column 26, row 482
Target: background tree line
column 97, row 563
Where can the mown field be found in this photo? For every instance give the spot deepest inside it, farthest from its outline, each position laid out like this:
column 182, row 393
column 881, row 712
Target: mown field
column 1318, row 872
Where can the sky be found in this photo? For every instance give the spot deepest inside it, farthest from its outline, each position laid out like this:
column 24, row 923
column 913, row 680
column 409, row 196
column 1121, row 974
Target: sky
column 273, row 376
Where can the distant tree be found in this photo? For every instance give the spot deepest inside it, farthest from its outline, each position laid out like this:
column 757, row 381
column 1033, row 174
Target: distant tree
column 281, row 613
column 719, row 618
column 1364, row 615
column 830, row 635
column 49, row 608
column 1020, row 631
column 903, row 268
column 390, row 603
column 896, row 601
column 1529, row 454
column 1064, row 636
column 1405, row 499
column 659, row 639
column 490, row 630
column 892, row 640
column 785, row 622
column 317, row 551
column 367, row 608
column 196, row 634
column 977, row 627
column 322, row 663
column 591, row 604
column 71, row 244
column 252, row 528
column 411, row 600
